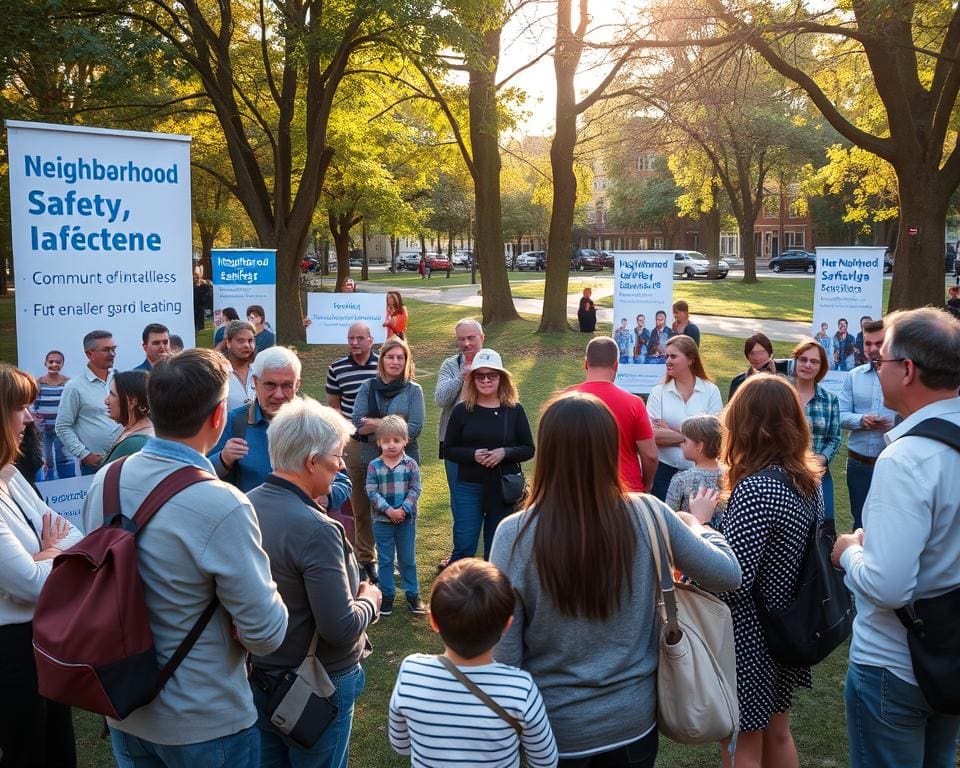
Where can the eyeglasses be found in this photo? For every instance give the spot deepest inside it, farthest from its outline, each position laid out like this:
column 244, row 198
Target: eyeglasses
column 107, row 350
column 492, row 376
column 880, row 361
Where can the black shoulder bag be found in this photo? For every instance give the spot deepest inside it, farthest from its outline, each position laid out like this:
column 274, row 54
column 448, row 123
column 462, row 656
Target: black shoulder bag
column 513, row 487
column 933, row 623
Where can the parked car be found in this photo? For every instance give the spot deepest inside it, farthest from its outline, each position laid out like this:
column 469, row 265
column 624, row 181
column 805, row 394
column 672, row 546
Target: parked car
column 462, row 258
column 530, row 259
column 438, row 263
column 408, row 261
column 887, row 263
column 582, row 259
column 690, row 264
column 802, row 261
column 607, row 258
column 310, row 264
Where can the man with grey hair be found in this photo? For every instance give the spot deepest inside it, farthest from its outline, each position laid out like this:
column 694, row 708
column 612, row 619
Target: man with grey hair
column 910, row 550
column 83, row 426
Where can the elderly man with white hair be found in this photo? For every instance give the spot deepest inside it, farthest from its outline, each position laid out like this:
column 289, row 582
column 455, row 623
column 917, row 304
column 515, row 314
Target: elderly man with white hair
column 241, row 456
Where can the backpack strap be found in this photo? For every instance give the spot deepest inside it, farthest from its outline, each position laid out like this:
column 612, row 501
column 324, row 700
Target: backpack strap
column 477, row 691
column 111, row 492
column 165, row 490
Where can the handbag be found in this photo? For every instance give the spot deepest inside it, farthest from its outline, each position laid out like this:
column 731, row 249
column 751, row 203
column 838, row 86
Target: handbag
column 513, row 486
column 301, row 705
column 477, row 691
column 697, row 666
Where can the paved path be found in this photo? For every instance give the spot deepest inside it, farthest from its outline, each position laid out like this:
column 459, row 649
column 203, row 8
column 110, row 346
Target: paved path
column 737, row 327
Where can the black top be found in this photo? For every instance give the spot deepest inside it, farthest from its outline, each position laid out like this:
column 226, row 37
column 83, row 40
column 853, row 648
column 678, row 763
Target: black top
column 485, row 428
column 782, row 366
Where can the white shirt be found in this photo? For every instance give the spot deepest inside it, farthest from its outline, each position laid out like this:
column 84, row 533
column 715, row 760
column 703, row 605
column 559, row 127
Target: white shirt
column 666, row 404
column 859, row 395
column 21, row 577
column 239, row 393
column 911, row 541
column 83, row 425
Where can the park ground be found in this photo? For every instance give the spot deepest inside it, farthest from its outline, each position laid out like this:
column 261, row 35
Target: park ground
column 541, row 364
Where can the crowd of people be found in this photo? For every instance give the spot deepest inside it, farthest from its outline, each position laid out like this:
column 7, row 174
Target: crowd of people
column 551, row 638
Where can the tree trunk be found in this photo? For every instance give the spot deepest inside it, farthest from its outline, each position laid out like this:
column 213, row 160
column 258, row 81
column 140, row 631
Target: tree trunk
column 747, row 250
column 484, row 143
column 918, row 271
column 711, row 239
column 340, row 225
column 365, row 268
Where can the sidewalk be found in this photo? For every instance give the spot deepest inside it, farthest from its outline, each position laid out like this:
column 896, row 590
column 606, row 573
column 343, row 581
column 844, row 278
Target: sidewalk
column 737, row 327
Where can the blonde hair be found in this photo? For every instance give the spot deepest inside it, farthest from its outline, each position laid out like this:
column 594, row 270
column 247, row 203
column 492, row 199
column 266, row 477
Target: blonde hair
column 507, row 391
column 395, row 341
column 392, row 425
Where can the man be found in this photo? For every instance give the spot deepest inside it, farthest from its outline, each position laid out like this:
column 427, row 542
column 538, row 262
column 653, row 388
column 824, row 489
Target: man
column 246, row 460
column 862, row 412
column 860, row 356
column 202, row 299
column 844, row 348
column 908, row 549
column 240, row 349
column 83, row 426
column 657, row 343
column 623, row 338
column 202, row 544
column 156, row 345
column 641, row 337
column 453, row 372
column 638, row 448
column 344, row 379
column 825, row 341
column 264, row 336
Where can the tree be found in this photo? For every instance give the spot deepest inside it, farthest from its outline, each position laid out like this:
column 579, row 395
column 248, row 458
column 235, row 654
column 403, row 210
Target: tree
column 647, row 203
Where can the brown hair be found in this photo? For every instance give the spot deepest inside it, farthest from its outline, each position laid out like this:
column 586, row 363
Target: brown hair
column 471, row 601
column 809, row 343
column 396, row 295
column 395, row 341
column 757, row 338
column 507, row 391
column 872, row 326
column 681, row 306
column 704, row 428
column 764, row 423
column 602, row 352
column 578, row 503
column 689, row 348
column 184, row 389
column 132, row 394
column 17, row 389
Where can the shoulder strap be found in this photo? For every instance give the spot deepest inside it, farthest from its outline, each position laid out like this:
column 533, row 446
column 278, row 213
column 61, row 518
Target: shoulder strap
column 165, row 490
column 941, row 430
column 659, row 538
column 240, row 420
column 111, row 492
column 480, row 694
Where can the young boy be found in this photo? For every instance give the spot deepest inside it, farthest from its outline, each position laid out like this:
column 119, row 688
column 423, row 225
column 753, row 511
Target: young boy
column 434, row 717
column 701, row 445
column 393, row 485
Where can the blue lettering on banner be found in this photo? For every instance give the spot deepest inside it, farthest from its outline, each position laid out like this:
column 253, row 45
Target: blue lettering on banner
column 244, row 268
column 72, row 171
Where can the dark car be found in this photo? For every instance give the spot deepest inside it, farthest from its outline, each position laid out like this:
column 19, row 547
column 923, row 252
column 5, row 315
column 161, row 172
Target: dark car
column 408, row 261
column 800, row 261
column 583, row 259
column 607, row 258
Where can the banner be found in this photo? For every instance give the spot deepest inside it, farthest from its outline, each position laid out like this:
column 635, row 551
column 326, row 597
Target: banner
column 331, row 314
column 642, row 304
column 848, row 292
column 244, row 277
column 102, row 240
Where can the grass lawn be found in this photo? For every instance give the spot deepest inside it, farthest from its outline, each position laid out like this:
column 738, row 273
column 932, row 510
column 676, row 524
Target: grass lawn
column 541, row 365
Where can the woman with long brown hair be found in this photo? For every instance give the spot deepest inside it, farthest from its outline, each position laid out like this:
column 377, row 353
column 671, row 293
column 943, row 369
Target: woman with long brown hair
column 774, row 484
column 585, row 624
column 397, row 316
column 686, row 391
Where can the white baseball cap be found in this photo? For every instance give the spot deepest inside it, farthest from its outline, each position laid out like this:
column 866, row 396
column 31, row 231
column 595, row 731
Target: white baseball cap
column 487, row 358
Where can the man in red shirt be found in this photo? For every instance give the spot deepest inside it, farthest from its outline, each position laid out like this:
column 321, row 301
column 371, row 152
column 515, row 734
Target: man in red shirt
column 638, row 449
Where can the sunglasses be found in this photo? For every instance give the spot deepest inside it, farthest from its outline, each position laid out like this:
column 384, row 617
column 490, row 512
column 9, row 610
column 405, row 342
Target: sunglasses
column 492, row 376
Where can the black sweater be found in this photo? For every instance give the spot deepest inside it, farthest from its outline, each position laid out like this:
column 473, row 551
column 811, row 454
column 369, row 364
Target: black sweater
column 485, row 428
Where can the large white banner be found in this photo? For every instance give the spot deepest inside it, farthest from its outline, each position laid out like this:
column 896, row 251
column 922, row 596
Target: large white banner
column 642, row 302
column 244, row 277
column 102, row 240
column 331, row 314
column 848, row 292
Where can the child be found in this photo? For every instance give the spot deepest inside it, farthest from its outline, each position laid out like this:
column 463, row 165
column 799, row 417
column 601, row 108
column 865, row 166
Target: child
column 393, row 485
column 434, row 717
column 701, row 445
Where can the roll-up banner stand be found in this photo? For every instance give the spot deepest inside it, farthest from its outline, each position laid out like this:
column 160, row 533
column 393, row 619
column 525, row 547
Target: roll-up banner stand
column 244, row 277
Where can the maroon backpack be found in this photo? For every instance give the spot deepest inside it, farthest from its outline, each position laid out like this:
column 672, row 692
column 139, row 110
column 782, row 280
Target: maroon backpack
column 91, row 628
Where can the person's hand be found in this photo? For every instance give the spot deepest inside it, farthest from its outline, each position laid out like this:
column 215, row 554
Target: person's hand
column 368, row 425
column 92, row 459
column 307, row 322
column 495, row 456
column 55, row 529
column 842, row 543
column 657, row 423
column 396, row 514
column 233, row 450
column 370, row 592
column 703, row 504
column 480, row 456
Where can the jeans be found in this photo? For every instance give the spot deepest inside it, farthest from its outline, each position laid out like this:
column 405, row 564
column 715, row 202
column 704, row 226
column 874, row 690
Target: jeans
column 55, row 457
column 859, row 477
column 661, row 480
column 641, row 753
column 470, row 518
column 238, row 750
column 359, row 501
column 890, row 724
column 332, row 749
column 826, row 483
column 450, row 467
column 399, row 538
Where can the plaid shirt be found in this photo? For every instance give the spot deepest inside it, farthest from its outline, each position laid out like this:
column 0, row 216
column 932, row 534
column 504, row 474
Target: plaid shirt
column 398, row 487
column 823, row 414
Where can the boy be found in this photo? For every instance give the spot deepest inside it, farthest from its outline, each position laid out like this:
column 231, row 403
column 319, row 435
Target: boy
column 393, row 486
column 701, row 445
column 434, row 717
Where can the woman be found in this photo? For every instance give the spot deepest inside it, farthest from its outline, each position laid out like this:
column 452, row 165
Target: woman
column 127, row 405
column 822, row 409
column 601, row 703
column 587, row 312
column 488, row 436
column 33, row 731
column 393, row 390
column 257, row 316
column 758, row 350
column 681, row 322
column 686, row 391
column 396, row 322
column 775, row 498
column 317, row 576
column 55, row 458
column 227, row 316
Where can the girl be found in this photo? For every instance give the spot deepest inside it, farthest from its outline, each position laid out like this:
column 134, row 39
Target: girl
column 701, row 445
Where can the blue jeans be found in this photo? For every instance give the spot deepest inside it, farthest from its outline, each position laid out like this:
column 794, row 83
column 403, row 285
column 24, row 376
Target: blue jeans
column 55, row 457
column 661, row 480
column 859, row 477
column 399, row 538
column 470, row 518
column 332, row 749
column 890, row 725
column 450, row 467
column 239, row 750
column 826, row 482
